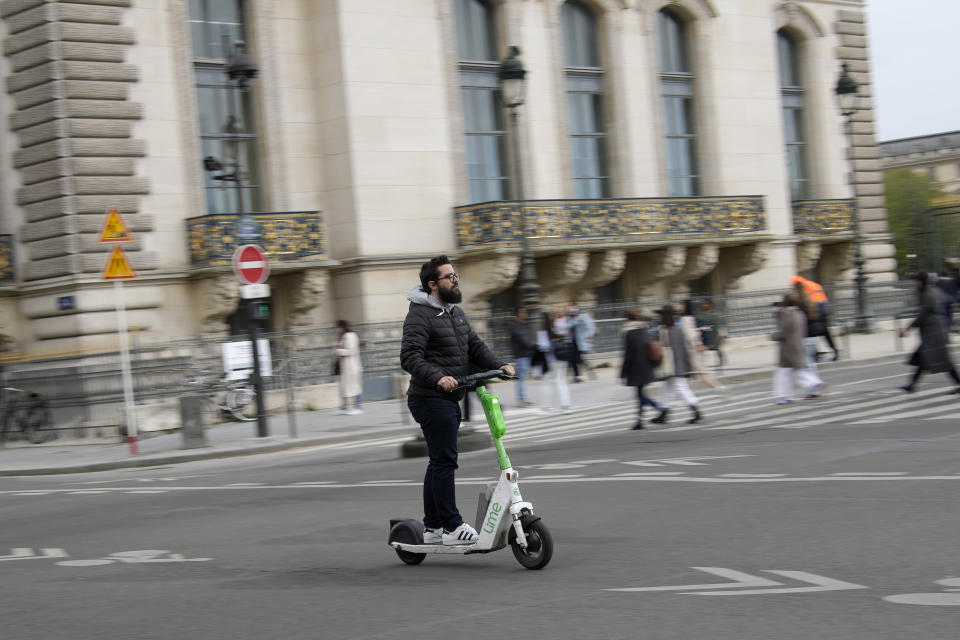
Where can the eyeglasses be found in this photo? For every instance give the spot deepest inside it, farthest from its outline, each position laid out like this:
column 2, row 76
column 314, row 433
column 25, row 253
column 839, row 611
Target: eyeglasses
column 451, row 277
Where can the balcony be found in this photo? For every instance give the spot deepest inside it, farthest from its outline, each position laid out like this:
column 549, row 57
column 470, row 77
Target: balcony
column 817, row 218
column 6, row 259
column 607, row 223
column 289, row 238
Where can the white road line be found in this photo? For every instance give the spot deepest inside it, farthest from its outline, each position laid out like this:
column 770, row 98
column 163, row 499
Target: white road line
column 916, row 413
column 752, row 475
column 870, row 473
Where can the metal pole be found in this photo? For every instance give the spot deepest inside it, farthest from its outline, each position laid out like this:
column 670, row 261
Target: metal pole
column 127, row 378
column 255, row 376
column 863, row 323
column 529, row 288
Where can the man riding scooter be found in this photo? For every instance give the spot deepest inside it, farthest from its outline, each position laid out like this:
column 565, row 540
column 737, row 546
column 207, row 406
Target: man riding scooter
column 438, row 346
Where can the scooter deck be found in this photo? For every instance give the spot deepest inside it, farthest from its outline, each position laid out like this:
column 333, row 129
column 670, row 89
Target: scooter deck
column 434, row 548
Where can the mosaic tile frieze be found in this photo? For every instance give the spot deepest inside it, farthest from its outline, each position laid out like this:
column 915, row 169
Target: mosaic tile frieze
column 822, row 217
column 291, row 236
column 566, row 222
column 6, row 259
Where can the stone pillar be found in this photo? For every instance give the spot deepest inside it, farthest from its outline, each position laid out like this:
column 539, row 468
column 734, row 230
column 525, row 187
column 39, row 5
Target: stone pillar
column 218, row 298
column 603, row 268
column 482, row 279
column 808, row 254
column 700, row 260
column 558, row 274
column 307, row 290
column 646, row 274
column 851, row 30
column 737, row 262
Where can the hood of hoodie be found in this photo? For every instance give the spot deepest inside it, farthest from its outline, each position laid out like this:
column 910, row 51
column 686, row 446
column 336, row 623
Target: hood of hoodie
column 417, row 295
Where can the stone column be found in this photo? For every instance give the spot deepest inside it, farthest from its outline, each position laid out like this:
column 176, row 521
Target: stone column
column 603, row 268
column 700, row 260
column 646, row 274
column 218, row 298
column 557, row 274
column 737, row 262
column 808, row 254
column 483, row 278
column 307, row 290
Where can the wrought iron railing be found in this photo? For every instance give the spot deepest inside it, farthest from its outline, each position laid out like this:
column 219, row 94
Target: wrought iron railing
column 285, row 236
column 86, row 392
column 607, row 221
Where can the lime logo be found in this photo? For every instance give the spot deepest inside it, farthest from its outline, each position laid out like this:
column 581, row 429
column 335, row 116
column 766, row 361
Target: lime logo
column 493, row 518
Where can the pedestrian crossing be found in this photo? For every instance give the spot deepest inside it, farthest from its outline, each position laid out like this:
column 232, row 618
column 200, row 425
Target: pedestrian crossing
column 852, row 403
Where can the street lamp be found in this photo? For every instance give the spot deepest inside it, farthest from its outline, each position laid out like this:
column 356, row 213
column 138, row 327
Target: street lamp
column 240, row 69
column 848, row 98
column 512, row 77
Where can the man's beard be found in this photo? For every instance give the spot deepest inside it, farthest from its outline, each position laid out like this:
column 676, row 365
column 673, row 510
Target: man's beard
column 452, row 296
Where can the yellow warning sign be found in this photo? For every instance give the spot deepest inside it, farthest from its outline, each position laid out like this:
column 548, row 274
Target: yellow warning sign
column 113, row 228
column 118, row 267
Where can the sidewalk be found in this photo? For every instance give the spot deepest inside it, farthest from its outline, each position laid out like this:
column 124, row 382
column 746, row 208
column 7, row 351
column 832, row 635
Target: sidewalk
column 748, row 359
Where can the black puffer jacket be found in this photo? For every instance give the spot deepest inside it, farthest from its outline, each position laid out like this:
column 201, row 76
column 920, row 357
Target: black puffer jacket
column 439, row 342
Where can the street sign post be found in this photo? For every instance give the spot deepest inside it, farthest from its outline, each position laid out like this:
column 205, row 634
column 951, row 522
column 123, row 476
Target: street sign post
column 118, row 269
column 251, row 266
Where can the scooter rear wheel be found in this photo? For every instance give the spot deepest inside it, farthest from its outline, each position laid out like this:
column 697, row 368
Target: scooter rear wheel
column 539, row 546
column 404, row 532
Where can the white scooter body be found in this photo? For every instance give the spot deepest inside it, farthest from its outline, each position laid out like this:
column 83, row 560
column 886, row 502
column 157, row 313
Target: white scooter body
column 494, row 528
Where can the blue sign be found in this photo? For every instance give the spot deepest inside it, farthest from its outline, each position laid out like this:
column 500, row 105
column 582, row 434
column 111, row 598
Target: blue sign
column 65, row 303
column 248, row 230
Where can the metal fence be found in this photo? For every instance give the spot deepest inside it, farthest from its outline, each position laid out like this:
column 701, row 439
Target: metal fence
column 86, row 396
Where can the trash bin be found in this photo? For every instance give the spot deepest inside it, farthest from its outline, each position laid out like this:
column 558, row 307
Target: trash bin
column 192, row 411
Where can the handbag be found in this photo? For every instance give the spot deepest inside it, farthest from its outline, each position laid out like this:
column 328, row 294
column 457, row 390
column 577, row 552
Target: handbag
column 655, row 352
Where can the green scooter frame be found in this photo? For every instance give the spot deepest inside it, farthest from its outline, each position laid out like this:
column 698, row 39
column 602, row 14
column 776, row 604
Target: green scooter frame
column 503, row 516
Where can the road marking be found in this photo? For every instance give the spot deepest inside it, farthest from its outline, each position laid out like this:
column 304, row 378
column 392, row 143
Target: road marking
column 26, row 553
column 871, row 473
column 652, row 473
column 948, row 598
column 147, row 491
column 752, row 475
column 739, row 578
column 747, row 584
column 688, row 460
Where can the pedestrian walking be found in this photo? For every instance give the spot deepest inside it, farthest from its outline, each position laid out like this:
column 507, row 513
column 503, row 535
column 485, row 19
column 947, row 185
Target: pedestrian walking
column 933, row 355
column 816, row 327
column 713, row 329
column 815, row 293
column 948, row 284
column 640, row 351
column 791, row 333
column 676, row 367
column 523, row 349
column 558, row 358
column 438, row 345
column 694, row 340
column 349, row 369
column 582, row 329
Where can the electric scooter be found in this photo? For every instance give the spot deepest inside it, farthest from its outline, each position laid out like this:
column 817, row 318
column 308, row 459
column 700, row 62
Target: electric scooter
column 502, row 515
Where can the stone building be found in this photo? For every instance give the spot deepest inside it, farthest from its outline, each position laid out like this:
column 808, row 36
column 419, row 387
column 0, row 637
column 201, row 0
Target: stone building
column 937, row 154
column 666, row 147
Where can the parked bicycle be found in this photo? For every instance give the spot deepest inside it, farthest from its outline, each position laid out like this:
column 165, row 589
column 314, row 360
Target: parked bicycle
column 28, row 413
column 234, row 399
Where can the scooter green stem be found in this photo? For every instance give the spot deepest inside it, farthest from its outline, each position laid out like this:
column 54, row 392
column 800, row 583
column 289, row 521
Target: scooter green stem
column 491, row 410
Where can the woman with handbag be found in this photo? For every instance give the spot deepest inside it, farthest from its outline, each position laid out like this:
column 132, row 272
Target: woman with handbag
column 559, row 358
column 676, row 366
column 349, row 369
column 641, row 354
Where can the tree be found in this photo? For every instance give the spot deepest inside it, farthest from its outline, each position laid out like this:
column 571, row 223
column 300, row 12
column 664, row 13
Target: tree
column 910, row 195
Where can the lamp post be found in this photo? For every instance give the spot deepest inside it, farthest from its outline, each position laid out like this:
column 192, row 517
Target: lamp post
column 849, row 100
column 240, row 69
column 512, row 77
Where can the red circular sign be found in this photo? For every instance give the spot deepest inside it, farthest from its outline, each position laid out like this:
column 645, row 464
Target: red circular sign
column 250, row 264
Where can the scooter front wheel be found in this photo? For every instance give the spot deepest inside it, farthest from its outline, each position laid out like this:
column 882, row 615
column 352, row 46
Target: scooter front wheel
column 539, row 546
column 404, row 532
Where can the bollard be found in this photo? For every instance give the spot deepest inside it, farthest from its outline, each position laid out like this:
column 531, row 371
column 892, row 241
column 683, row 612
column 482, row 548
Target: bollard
column 192, row 411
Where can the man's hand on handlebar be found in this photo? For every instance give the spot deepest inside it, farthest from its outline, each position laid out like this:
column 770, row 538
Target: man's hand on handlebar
column 447, row 383
column 508, row 369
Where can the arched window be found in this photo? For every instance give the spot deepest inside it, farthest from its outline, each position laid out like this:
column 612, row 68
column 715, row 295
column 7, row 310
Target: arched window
column 792, row 98
column 584, row 73
column 228, row 128
column 676, row 90
column 483, row 122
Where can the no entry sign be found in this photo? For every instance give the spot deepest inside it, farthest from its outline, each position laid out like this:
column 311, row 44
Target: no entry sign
column 250, row 264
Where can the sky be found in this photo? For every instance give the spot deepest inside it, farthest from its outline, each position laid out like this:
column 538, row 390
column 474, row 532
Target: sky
column 915, row 52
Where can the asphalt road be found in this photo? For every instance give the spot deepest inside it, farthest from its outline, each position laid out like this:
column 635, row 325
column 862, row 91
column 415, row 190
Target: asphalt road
column 833, row 518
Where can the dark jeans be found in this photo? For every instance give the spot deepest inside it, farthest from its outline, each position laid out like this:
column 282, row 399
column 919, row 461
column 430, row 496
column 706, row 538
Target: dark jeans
column 645, row 400
column 440, row 421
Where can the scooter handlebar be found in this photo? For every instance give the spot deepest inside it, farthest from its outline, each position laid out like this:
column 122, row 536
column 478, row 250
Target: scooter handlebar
column 472, row 379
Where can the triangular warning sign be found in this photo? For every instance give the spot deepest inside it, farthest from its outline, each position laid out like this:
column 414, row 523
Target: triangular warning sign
column 113, row 228
column 118, row 268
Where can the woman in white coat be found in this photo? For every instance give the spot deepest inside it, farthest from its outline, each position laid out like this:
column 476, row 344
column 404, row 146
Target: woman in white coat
column 350, row 369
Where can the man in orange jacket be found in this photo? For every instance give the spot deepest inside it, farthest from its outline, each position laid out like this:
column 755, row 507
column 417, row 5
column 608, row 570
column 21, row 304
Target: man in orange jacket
column 819, row 316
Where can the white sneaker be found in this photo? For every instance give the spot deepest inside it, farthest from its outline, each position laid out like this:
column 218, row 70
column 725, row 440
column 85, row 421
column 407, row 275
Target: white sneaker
column 353, row 412
column 433, row 536
column 464, row 534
